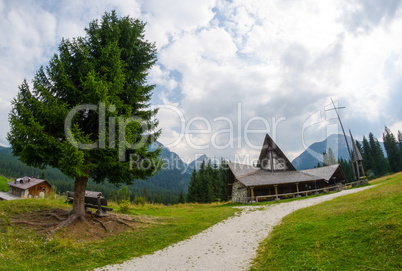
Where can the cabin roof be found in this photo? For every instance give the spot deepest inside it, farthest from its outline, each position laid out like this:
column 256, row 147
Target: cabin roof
column 326, row 172
column 26, row 182
column 261, row 176
column 240, row 170
column 265, row 177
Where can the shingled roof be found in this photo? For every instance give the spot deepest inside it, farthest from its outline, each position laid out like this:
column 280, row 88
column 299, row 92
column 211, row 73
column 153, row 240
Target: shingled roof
column 26, row 182
column 326, row 172
column 283, row 172
column 240, row 170
column 264, row 177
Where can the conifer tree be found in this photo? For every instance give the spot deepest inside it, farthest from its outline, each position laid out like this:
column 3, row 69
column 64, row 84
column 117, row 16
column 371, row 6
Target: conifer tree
column 145, row 195
column 380, row 164
column 368, row 162
column 208, row 184
column 215, row 182
column 157, row 199
column 94, row 82
column 181, row 197
column 329, row 158
column 192, row 188
column 205, row 182
column 346, row 168
column 223, row 178
column 393, row 152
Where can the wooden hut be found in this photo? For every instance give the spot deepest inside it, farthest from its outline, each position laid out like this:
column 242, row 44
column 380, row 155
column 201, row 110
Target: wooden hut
column 28, row 187
column 275, row 175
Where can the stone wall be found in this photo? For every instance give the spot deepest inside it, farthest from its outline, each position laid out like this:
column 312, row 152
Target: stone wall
column 239, row 191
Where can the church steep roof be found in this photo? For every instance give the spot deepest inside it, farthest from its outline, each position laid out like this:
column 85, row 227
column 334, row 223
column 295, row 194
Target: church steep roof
column 272, row 158
column 275, row 168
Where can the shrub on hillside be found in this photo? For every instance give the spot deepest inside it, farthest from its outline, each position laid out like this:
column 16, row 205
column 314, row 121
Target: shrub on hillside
column 139, row 201
column 124, row 206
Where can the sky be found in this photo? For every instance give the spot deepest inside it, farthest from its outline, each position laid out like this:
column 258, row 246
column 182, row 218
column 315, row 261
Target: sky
column 228, row 72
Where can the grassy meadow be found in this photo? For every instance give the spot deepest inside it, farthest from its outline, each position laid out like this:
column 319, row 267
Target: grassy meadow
column 22, row 249
column 3, row 183
column 356, row 232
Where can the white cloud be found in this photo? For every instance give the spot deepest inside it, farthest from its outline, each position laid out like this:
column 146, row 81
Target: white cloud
column 397, row 126
column 278, row 58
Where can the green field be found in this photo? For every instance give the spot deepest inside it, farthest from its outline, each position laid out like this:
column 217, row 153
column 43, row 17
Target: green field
column 22, row 249
column 3, row 183
column 356, row 232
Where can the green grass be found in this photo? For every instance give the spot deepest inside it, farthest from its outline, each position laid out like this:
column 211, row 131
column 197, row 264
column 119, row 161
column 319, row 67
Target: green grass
column 3, row 183
column 361, row 231
column 335, row 235
column 24, row 250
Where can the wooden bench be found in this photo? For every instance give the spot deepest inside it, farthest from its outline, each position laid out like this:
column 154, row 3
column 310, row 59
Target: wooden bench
column 93, row 200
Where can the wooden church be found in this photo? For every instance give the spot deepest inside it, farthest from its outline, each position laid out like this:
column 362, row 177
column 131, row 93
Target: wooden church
column 275, row 177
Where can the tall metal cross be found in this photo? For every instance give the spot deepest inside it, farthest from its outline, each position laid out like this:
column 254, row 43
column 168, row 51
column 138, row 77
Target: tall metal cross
column 346, row 140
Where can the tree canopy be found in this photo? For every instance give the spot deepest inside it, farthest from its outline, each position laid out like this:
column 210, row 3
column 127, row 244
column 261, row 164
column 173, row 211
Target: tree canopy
column 208, row 184
column 87, row 112
column 393, row 152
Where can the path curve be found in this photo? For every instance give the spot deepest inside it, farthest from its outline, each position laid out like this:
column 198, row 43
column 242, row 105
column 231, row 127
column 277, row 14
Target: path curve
column 229, row 245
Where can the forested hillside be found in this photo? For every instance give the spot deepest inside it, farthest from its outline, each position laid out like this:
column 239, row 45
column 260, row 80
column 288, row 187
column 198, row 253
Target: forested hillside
column 379, row 158
column 165, row 186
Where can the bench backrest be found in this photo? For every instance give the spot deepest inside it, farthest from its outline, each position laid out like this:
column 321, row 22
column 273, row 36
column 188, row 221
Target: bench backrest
column 89, row 199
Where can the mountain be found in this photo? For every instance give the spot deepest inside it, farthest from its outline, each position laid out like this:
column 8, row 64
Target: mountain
column 167, row 183
column 175, row 173
column 313, row 154
column 197, row 162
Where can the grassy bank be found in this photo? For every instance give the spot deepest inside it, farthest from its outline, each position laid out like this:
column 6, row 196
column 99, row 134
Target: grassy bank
column 3, row 183
column 22, row 249
column 356, row 232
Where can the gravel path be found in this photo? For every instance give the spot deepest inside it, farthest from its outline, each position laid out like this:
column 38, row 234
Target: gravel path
column 228, row 245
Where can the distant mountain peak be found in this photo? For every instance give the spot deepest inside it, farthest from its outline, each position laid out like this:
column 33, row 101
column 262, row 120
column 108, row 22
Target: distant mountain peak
column 313, row 154
column 198, row 161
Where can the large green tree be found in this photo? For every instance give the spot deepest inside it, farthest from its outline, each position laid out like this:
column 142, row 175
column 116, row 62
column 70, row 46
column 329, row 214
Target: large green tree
column 393, row 152
column 380, row 163
column 368, row 162
column 209, row 183
column 87, row 112
column 329, row 158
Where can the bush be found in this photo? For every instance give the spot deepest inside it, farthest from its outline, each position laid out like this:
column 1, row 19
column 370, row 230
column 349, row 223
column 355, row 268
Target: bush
column 139, row 201
column 123, row 194
column 124, row 206
column 53, row 191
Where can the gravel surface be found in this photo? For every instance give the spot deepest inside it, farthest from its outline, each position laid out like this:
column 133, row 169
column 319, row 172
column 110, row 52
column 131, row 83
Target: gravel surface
column 228, row 245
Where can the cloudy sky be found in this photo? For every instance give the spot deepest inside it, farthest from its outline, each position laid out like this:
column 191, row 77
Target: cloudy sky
column 230, row 71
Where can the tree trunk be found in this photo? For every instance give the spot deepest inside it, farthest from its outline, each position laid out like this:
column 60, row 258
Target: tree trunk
column 79, row 197
column 78, row 210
